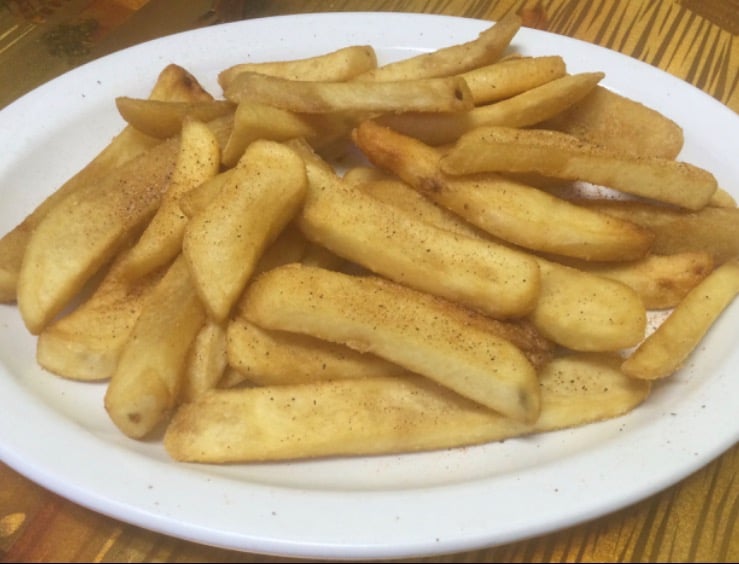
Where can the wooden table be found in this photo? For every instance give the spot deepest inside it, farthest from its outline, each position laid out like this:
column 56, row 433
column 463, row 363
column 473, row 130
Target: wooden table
column 694, row 520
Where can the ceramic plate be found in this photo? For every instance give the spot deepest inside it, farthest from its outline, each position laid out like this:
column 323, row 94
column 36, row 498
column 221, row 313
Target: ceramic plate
column 56, row 432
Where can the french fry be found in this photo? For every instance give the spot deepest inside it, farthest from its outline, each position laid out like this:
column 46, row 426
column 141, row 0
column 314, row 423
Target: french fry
column 559, row 155
column 660, row 280
column 415, row 330
column 162, row 119
column 86, row 343
column 265, row 357
column 666, row 349
column 504, row 79
column 722, row 199
column 198, row 160
column 341, row 64
column 585, row 312
column 385, row 415
column 714, row 230
column 86, row 230
column 492, row 278
column 517, row 213
column 254, row 121
column 446, row 94
column 205, row 363
column 223, row 242
column 198, row 198
column 609, row 119
column 455, row 59
column 523, row 110
column 146, row 384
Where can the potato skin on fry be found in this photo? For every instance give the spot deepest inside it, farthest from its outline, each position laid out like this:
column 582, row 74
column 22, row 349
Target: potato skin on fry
column 423, row 333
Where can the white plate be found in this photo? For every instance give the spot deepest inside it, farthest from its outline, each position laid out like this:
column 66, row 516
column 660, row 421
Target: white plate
column 56, row 432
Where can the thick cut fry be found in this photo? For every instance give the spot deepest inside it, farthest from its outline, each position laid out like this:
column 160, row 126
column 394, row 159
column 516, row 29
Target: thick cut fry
column 447, row 94
column 609, row 119
column 265, row 357
column 196, row 200
column 660, row 280
column 254, row 121
column 147, row 381
column 173, row 84
column 198, row 160
column 503, row 79
column 712, row 230
column 385, row 415
column 492, row 278
column 666, row 349
column 486, row 48
column 418, row 331
column 507, row 209
column 206, row 362
column 86, row 230
column 334, row 66
column 523, row 110
column 586, row 312
column 86, row 343
column 559, row 155
column 224, row 241
column 162, row 119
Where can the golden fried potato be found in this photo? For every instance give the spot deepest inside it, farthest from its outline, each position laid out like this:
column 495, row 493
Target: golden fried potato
column 198, row 160
column 612, row 120
column 385, row 415
column 264, row 357
column 586, row 312
column 455, row 59
column 420, row 332
column 254, row 121
column 223, row 242
column 666, row 349
column 206, row 362
column 506, row 78
column 162, row 119
column 146, row 384
column 560, row 155
column 85, row 343
column 446, row 94
column 660, row 280
column 341, row 64
column 714, row 230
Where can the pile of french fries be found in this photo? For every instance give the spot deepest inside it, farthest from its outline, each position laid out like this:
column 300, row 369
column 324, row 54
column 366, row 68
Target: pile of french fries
column 339, row 257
